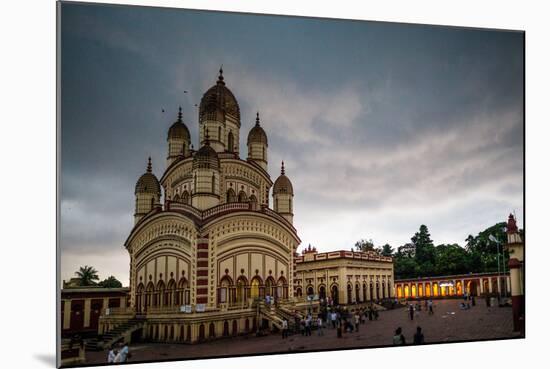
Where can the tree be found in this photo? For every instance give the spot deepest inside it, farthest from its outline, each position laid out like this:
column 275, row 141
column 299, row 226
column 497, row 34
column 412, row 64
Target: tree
column 110, row 282
column 364, row 245
column 424, row 251
column 87, row 275
column 386, row 250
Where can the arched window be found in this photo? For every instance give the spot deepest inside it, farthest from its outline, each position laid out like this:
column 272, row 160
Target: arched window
column 357, row 293
column 220, row 134
column 242, row 196
column 213, row 183
column 185, row 197
column 177, row 198
column 231, row 196
column 230, row 143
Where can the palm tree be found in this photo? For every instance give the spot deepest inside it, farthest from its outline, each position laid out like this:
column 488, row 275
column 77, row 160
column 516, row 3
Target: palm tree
column 87, row 275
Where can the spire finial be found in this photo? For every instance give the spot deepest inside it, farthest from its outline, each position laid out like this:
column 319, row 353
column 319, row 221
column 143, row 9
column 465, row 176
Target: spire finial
column 149, row 166
column 282, row 168
column 220, row 76
column 180, row 115
column 257, row 118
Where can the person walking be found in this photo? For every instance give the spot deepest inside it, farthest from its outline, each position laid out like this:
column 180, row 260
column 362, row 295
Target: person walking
column 417, row 310
column 411, row 311
column 398, row 338
column 308, row 325
column 357, row 320
column 430, row 307
column 418, row 338
column 319, row 326
column 124, row 353
column 339, row 328
column 285, row 328
column 333, row 316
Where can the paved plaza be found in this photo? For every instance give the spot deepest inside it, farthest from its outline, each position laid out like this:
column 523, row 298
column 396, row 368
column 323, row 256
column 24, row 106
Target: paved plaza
column 447, row 324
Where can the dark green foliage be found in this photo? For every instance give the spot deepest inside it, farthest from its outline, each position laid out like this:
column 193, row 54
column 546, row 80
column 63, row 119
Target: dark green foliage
column 110, row 282
column 421, row 258
column 364, row 245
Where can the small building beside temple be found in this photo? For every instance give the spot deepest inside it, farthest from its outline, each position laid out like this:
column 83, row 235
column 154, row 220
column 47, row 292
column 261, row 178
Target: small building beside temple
column 344, row 277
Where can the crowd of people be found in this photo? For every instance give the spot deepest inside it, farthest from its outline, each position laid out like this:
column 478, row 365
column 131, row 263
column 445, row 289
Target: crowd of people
column 341, row 319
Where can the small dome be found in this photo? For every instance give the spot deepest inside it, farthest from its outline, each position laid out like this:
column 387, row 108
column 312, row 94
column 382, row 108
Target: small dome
column 283, row 185
column 179, row 129
column 148, row 182
column 219, row 97
column 206, row 157
column 257, row 133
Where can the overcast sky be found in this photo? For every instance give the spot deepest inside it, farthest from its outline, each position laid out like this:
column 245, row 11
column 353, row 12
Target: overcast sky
column 382, row 127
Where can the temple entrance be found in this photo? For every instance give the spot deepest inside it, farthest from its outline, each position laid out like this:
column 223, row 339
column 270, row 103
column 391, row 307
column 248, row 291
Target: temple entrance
column 334, row 294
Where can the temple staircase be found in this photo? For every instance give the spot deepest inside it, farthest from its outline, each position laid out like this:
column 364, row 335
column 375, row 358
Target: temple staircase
column 122, row 331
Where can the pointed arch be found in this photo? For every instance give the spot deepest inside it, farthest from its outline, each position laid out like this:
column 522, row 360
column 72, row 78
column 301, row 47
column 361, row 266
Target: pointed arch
column 177, row 198
column 231, row 196
column 242, row 196
column 170, row 294
column 185, row 197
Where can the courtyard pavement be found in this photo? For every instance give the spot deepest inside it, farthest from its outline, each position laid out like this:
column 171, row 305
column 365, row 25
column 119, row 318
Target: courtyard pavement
column 447, row 324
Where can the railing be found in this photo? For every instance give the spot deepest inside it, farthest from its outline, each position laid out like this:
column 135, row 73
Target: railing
column 225, row 207
column 118, row 311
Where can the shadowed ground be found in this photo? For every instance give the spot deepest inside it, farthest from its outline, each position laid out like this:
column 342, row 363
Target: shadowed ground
column 448, row 324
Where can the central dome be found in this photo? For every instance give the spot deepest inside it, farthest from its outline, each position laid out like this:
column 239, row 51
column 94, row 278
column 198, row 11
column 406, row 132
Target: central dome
column 219, row 98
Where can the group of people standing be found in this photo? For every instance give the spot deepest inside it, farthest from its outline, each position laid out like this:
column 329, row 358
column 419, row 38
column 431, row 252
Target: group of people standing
column 399, row 338
column 414, row 309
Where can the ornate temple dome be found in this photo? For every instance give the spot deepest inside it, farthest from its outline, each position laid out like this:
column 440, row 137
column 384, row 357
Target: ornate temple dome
column 283, row 185
column 219, row 98
column 148, row 182
column 257, row 133
column 206, row 157
column 179, row 129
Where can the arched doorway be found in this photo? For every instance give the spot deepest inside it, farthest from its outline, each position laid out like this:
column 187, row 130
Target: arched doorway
column 459, row 290
column 357, row 293
column 334, row 294
column 427, row 290
column 377, row 291
column 399, row 291
column 420, row 290
column 350, row 292
column 365, row 292
column 255, row 288
column 371, row 291
column 309, row 291
column 406, row 291
column 435, row 287
column 322, row 292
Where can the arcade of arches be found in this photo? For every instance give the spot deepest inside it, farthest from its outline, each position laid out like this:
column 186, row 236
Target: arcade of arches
column 344, row 277
column 455, row 285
